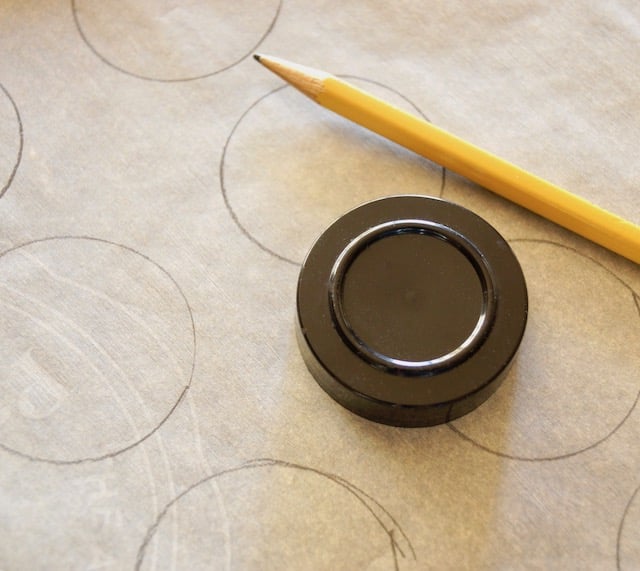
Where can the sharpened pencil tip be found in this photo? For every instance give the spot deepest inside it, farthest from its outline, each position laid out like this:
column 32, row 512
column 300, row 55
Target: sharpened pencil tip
column 303, row 78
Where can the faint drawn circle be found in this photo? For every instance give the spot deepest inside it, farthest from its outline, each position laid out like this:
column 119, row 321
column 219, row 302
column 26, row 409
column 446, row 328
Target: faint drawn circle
column 147, row 38
column 575, row 381
column 293, row 503
column 97, row 348
column 315, row 166
column 11, row 140
column 628, row 541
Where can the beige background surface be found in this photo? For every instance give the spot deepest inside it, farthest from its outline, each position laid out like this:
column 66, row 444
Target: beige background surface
column 159, row 190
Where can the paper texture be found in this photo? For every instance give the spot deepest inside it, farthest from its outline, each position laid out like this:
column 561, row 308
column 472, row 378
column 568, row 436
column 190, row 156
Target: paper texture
column 159, row 192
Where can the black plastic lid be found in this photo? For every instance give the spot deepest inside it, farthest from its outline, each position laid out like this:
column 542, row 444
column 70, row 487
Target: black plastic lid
column 410, row 310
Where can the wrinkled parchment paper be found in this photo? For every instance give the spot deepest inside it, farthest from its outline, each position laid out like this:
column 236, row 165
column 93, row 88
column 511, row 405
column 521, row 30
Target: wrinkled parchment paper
column 159, row 191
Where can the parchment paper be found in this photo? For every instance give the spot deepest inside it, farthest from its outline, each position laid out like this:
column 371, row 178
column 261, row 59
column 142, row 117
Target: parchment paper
column 159, row 191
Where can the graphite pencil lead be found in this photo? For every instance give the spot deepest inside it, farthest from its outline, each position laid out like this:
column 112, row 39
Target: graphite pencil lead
column 305, row 79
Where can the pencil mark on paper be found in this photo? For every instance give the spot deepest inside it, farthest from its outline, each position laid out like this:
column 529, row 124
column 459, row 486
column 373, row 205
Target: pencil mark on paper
column 291, row 205
column 88, row 333
column 16, row 164
column 464, row 427
column 627, row 527
column 208, row 49
column 269, row 474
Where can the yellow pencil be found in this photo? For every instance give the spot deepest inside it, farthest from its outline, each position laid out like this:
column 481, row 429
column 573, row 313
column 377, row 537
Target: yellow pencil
column 496, row 174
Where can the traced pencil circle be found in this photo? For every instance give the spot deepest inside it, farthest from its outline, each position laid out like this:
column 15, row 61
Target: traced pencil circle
column 624, row 525
column 466, row 432
column 399, row 544
column 226, row 186
column 230, row 61
column 86, row 308
column 18, row 158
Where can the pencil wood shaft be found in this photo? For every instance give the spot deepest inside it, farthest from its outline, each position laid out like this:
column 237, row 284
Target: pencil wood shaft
column 480, row 166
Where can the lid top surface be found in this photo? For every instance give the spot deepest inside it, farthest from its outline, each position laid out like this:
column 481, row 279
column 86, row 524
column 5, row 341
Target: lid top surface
column 412, row 296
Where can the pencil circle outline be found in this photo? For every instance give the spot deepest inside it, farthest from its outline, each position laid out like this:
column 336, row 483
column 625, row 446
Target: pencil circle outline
column 223, row 158
column 636, row 300
column 105, row 60
column 14, row 170
column 621, row 526
column 370, row 504
column 181, row 395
